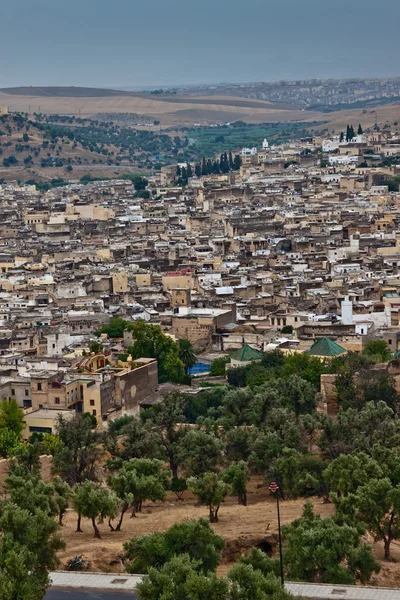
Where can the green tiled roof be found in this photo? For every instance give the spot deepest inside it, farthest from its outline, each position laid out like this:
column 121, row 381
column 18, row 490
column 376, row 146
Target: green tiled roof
column 246, row 354
column 326, row 347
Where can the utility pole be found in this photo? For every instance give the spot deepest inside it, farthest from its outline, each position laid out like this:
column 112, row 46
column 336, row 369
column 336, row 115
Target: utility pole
column 274, row 488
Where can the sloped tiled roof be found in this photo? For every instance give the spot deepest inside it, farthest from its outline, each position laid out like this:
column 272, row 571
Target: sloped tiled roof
column 246, row 353
column 326, row 347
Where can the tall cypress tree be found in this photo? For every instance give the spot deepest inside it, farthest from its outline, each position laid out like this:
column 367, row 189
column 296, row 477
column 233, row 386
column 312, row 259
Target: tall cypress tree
column 359, row 130
column 197, row 170
column 189, row 171
column 230, row 160
column 184, row 176
column 237, row 163
column 204, row 167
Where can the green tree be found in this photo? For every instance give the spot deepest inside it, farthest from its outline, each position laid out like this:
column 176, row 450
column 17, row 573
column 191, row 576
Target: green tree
column 93, row 501
column 201, row 452
column 61, row 496
column 376, row 386
column 298, row 395
column 378, row 350
column 29, row 543
column 237, row 162
column 350, row 471
column 151, row 342
column 360, row 130
column 11, row 416
column 139, row 182
column 139, row 440
column 28, row 490
column 211, row 491
column 248, row 583
column 320, row 550
column 237, row 475
column 9, row 442
column 95, row 346
column 186, row 354
column 194, row 537
column 115, row 328
column 238, row 442
column 218, row 366
column 305, row 366
column 377, row 505
column 179, row 579
column 138, row 480
column 237, row 376
column 178, row 486
column 170, row 422
column 261, row 562
column 76, row 457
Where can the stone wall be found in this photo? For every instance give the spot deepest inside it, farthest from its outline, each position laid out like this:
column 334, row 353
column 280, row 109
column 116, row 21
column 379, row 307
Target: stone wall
column 131, row 387
column 329, row 394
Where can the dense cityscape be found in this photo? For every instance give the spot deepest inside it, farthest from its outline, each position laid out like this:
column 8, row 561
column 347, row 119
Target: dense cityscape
column 199, row 300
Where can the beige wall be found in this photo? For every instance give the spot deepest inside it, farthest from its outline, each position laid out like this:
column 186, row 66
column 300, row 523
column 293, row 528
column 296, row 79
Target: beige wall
column 177, row 281
column 143, row 279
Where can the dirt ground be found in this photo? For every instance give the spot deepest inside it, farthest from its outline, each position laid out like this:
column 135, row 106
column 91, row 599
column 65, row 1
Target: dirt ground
column 241, row 527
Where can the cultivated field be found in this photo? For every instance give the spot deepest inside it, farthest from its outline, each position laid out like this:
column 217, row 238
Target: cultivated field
column 169, row 110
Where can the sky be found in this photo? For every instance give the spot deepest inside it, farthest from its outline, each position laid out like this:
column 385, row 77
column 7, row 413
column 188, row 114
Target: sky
column 142, row 43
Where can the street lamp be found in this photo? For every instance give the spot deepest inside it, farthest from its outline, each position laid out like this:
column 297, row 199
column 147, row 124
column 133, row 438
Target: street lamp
column 274, row 488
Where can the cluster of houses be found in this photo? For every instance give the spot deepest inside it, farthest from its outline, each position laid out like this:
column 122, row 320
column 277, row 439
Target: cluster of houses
column 292, row 249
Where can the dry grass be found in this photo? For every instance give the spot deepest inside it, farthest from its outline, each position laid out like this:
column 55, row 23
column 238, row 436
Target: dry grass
column 240, row 526
column 169, row 111
column 185, row 111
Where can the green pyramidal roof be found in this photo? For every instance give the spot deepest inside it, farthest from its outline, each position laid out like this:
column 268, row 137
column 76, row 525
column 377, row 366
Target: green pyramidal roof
column 246, row 354
column 326, row 347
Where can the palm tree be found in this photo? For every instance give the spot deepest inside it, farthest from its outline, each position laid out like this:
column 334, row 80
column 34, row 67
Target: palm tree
column 187, row 354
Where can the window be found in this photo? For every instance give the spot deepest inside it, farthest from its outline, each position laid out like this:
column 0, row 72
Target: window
column 54, row 345
column 92, row 403
column 12, row 392
column 33, row 429
column 94, row 413
column 27, row 403
column 39, row 387
column 26, row 392
column 40, row 405
column 57, row 400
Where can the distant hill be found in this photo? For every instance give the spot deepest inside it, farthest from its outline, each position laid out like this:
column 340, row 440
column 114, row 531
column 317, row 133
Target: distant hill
column 53, row 147
column 167, row 107
column 64, row 92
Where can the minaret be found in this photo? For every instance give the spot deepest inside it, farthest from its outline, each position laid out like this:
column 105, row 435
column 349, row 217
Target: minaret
column 347, row 311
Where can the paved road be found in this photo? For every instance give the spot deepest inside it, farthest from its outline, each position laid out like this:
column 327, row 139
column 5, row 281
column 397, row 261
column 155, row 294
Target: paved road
column 58, row 594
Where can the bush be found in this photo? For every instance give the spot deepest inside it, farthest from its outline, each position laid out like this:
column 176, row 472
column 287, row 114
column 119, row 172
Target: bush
column 195, row 538
column 218, row 366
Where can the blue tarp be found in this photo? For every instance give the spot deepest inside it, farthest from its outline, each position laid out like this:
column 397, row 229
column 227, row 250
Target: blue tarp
column 199, row 368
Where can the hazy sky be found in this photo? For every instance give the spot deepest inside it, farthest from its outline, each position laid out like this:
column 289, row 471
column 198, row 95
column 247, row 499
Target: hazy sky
column 168, row 42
